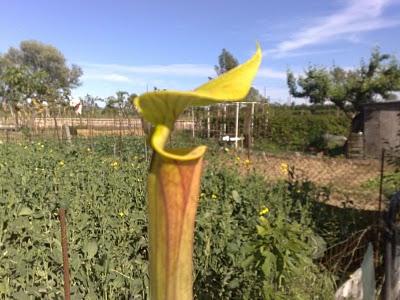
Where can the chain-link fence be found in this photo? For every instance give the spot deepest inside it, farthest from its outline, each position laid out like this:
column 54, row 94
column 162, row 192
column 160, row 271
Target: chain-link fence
column 353, row 182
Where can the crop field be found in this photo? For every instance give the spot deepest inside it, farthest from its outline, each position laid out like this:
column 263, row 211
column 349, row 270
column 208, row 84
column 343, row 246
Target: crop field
column 254, row 237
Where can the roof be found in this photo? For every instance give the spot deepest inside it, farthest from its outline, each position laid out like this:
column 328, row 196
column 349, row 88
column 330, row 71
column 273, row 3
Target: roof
column 386, row 105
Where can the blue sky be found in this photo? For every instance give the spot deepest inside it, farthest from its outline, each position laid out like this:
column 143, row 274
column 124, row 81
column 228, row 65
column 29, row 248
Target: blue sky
column 132, row 45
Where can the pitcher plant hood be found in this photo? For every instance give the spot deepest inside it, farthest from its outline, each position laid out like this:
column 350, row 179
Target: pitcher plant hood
column 162, row 108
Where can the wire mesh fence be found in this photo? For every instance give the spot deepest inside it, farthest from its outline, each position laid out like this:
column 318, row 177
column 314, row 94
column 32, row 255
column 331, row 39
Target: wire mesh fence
column 238, row 125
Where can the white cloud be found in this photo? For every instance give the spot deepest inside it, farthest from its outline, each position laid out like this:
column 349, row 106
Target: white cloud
column 303, row 53
column 358, row 16
column 113, row 77
column 167, row 70
column 270, row 73
column 277, row 94
column 113, row 72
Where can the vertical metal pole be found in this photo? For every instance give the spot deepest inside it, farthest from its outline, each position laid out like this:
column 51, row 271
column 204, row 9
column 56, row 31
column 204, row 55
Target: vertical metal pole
column 252, row 125
column 237, row 125
column 225, row 118
column 208, row 122
column 391, row 258
column 193, row 122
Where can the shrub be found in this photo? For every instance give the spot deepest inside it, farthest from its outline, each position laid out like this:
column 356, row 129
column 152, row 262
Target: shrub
column 294, row 130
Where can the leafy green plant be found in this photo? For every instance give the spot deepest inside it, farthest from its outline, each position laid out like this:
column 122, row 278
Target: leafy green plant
column 293, row 130
column 108, row 241
column 236, row 252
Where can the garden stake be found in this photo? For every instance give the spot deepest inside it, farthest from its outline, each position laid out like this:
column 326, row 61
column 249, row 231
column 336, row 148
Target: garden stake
column 174, row 179
column 64, row 247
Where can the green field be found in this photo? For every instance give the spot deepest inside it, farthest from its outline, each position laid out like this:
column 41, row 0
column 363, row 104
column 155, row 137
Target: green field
column 253, row 239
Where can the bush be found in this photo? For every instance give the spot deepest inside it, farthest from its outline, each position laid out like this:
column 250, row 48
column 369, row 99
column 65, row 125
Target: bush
column 255, row 241
column 300, row 130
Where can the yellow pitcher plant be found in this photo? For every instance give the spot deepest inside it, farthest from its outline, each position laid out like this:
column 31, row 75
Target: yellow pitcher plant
column 174, row 178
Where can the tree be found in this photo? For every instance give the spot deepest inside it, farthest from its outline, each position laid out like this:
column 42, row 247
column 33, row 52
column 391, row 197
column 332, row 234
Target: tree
column 117, row 102
column 46, row 74
column 90, row 104
column 349, row 89
column 121, row 102
column 226, row 62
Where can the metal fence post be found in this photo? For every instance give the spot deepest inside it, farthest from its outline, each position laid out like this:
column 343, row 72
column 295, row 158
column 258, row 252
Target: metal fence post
column 391, row 286
column 237, row 125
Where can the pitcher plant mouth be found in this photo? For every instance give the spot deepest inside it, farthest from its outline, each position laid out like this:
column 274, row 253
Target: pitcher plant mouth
column 174, row 178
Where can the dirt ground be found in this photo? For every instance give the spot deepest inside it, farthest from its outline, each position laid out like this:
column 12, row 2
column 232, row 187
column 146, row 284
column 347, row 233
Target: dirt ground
column 345, row 178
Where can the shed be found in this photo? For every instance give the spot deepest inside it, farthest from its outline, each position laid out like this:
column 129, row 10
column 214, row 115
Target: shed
column 381, row 127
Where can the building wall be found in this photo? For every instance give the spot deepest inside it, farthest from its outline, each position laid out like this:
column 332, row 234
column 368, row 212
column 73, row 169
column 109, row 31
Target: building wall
column 381, row 127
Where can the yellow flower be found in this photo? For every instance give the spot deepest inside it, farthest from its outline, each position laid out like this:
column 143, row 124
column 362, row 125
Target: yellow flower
column 61, row 163
column 213, row 196
column 226, row 149
column 114, row 164
column 284, row 168
column 237, row 158
column 174, row 178
column 264, row 211
column 121, row 214
column 88, row 149
column 42, row 146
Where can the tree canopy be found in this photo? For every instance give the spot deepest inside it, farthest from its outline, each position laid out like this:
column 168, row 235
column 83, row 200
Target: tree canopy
column 349, row 89
column 121, row 102
column 226, row 62
column 36, row 70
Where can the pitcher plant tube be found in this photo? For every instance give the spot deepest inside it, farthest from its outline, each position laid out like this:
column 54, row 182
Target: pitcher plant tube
column 174, row 178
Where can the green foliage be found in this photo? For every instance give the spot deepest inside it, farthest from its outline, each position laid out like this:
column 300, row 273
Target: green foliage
column 254, row 241
column 42, row 72
column 285, row 252
column 390, row 184
column 333, row 223
column 106, row 222
column 226, row 62
column 238, row 255
column 314, row 84
column 290, row 129
column 349, row 89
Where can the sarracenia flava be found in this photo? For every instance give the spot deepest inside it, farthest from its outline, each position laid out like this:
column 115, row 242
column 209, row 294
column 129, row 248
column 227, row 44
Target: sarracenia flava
column 174, row 178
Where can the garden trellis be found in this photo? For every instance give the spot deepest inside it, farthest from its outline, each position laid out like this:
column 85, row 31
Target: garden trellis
column 233, row 122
